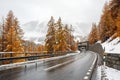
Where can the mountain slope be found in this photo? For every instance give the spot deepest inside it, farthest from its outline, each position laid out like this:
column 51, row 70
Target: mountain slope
column 36, row 31
column 113, row 46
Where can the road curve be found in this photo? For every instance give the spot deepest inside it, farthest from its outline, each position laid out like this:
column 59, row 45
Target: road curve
column 75, row 69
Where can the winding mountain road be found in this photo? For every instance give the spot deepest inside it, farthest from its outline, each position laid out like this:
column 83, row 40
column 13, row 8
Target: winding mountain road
column 74, row 67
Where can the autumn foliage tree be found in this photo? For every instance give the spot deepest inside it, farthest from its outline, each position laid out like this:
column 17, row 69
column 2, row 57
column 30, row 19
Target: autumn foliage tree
column 93, row 36
column 12, row 35
column 59, row 37
column 107, row 25
column 50, row 37
column 117, row 34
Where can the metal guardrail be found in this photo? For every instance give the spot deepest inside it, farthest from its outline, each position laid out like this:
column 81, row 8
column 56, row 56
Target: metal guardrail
column 28, row 55
column 63, row 58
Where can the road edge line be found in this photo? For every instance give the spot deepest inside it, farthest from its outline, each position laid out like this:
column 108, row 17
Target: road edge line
column 90, row 71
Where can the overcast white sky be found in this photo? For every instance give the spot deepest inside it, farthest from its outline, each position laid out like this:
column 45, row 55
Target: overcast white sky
column 87, row 11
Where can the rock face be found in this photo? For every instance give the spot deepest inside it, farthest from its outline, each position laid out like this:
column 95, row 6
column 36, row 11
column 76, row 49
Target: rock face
column 97, row 48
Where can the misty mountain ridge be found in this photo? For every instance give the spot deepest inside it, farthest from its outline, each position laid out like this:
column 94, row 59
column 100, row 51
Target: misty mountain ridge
column 36, row 31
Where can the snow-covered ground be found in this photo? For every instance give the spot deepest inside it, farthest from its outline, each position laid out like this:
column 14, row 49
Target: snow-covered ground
column 106, row 73
column 112, row 46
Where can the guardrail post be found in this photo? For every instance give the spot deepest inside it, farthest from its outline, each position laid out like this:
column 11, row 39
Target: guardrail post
column 25, row 56
column 36, row 65
column 1, row 61
column 2, row 55
column 36, row 55
column 11, row 61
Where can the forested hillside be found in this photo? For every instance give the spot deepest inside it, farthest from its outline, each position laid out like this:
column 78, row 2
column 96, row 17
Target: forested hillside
column 109, row 25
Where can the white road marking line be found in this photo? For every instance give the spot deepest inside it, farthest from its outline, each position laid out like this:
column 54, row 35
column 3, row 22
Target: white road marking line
column 89, row 70
column 58, row 65
column 86, row 78
column 88, row 73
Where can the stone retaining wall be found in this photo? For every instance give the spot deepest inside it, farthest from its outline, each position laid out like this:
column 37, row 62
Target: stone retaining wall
column 113, row 60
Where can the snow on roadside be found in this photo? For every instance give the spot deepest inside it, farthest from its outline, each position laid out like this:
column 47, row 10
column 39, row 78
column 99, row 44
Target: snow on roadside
column 98, row 77
column 113, row 46
column 109, row 73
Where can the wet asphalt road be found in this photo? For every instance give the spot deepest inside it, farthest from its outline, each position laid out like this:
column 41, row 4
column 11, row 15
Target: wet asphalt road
column 75, row 70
